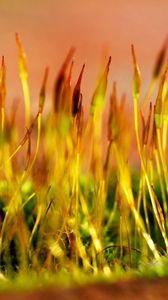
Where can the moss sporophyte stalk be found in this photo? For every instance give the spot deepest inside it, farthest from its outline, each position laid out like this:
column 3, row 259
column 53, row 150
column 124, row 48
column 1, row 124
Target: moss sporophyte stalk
column 69, row 197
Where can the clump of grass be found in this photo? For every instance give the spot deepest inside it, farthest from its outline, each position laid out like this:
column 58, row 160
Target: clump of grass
column 72, row 206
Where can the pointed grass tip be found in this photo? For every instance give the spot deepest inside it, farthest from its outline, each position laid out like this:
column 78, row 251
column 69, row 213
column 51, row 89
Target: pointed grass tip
column 109, row 61
column 77, row 96
column 108, row 64
column 68, row 58
column 70, row 72
column 133, row 54
column 18, row 42
column 3, row 61
column 137, row 75
column 80, row 77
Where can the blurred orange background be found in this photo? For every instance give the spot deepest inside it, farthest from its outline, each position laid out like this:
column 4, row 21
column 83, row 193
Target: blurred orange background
column 97, row 28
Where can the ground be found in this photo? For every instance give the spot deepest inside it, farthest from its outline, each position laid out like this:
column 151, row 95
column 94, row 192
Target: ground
column 146, row 289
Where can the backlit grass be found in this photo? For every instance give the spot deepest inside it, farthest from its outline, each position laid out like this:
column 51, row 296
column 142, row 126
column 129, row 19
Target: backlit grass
column 69, row 201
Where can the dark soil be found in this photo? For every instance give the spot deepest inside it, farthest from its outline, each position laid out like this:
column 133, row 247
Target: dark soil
column 144, row 289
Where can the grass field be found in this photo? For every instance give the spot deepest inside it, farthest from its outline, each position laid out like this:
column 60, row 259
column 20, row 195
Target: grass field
column 71, row 205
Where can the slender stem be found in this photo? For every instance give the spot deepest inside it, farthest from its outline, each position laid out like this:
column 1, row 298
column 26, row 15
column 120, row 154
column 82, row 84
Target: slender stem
column 26, row 95
column 38, row 138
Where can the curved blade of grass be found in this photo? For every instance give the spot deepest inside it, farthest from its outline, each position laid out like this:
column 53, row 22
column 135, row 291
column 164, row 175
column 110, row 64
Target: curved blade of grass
column 24, row 79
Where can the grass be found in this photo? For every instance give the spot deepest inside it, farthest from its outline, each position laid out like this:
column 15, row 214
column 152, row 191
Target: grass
column 70, row 203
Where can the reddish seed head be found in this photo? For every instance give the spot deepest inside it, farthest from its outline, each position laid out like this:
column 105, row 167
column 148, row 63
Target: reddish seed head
column 76, row 98
column 133, row 54
column 80, row 77
column 108, row 64
column 3, row 61
column 3, row 70
column 68, row 59
column 60, row 81
column 160, row 59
